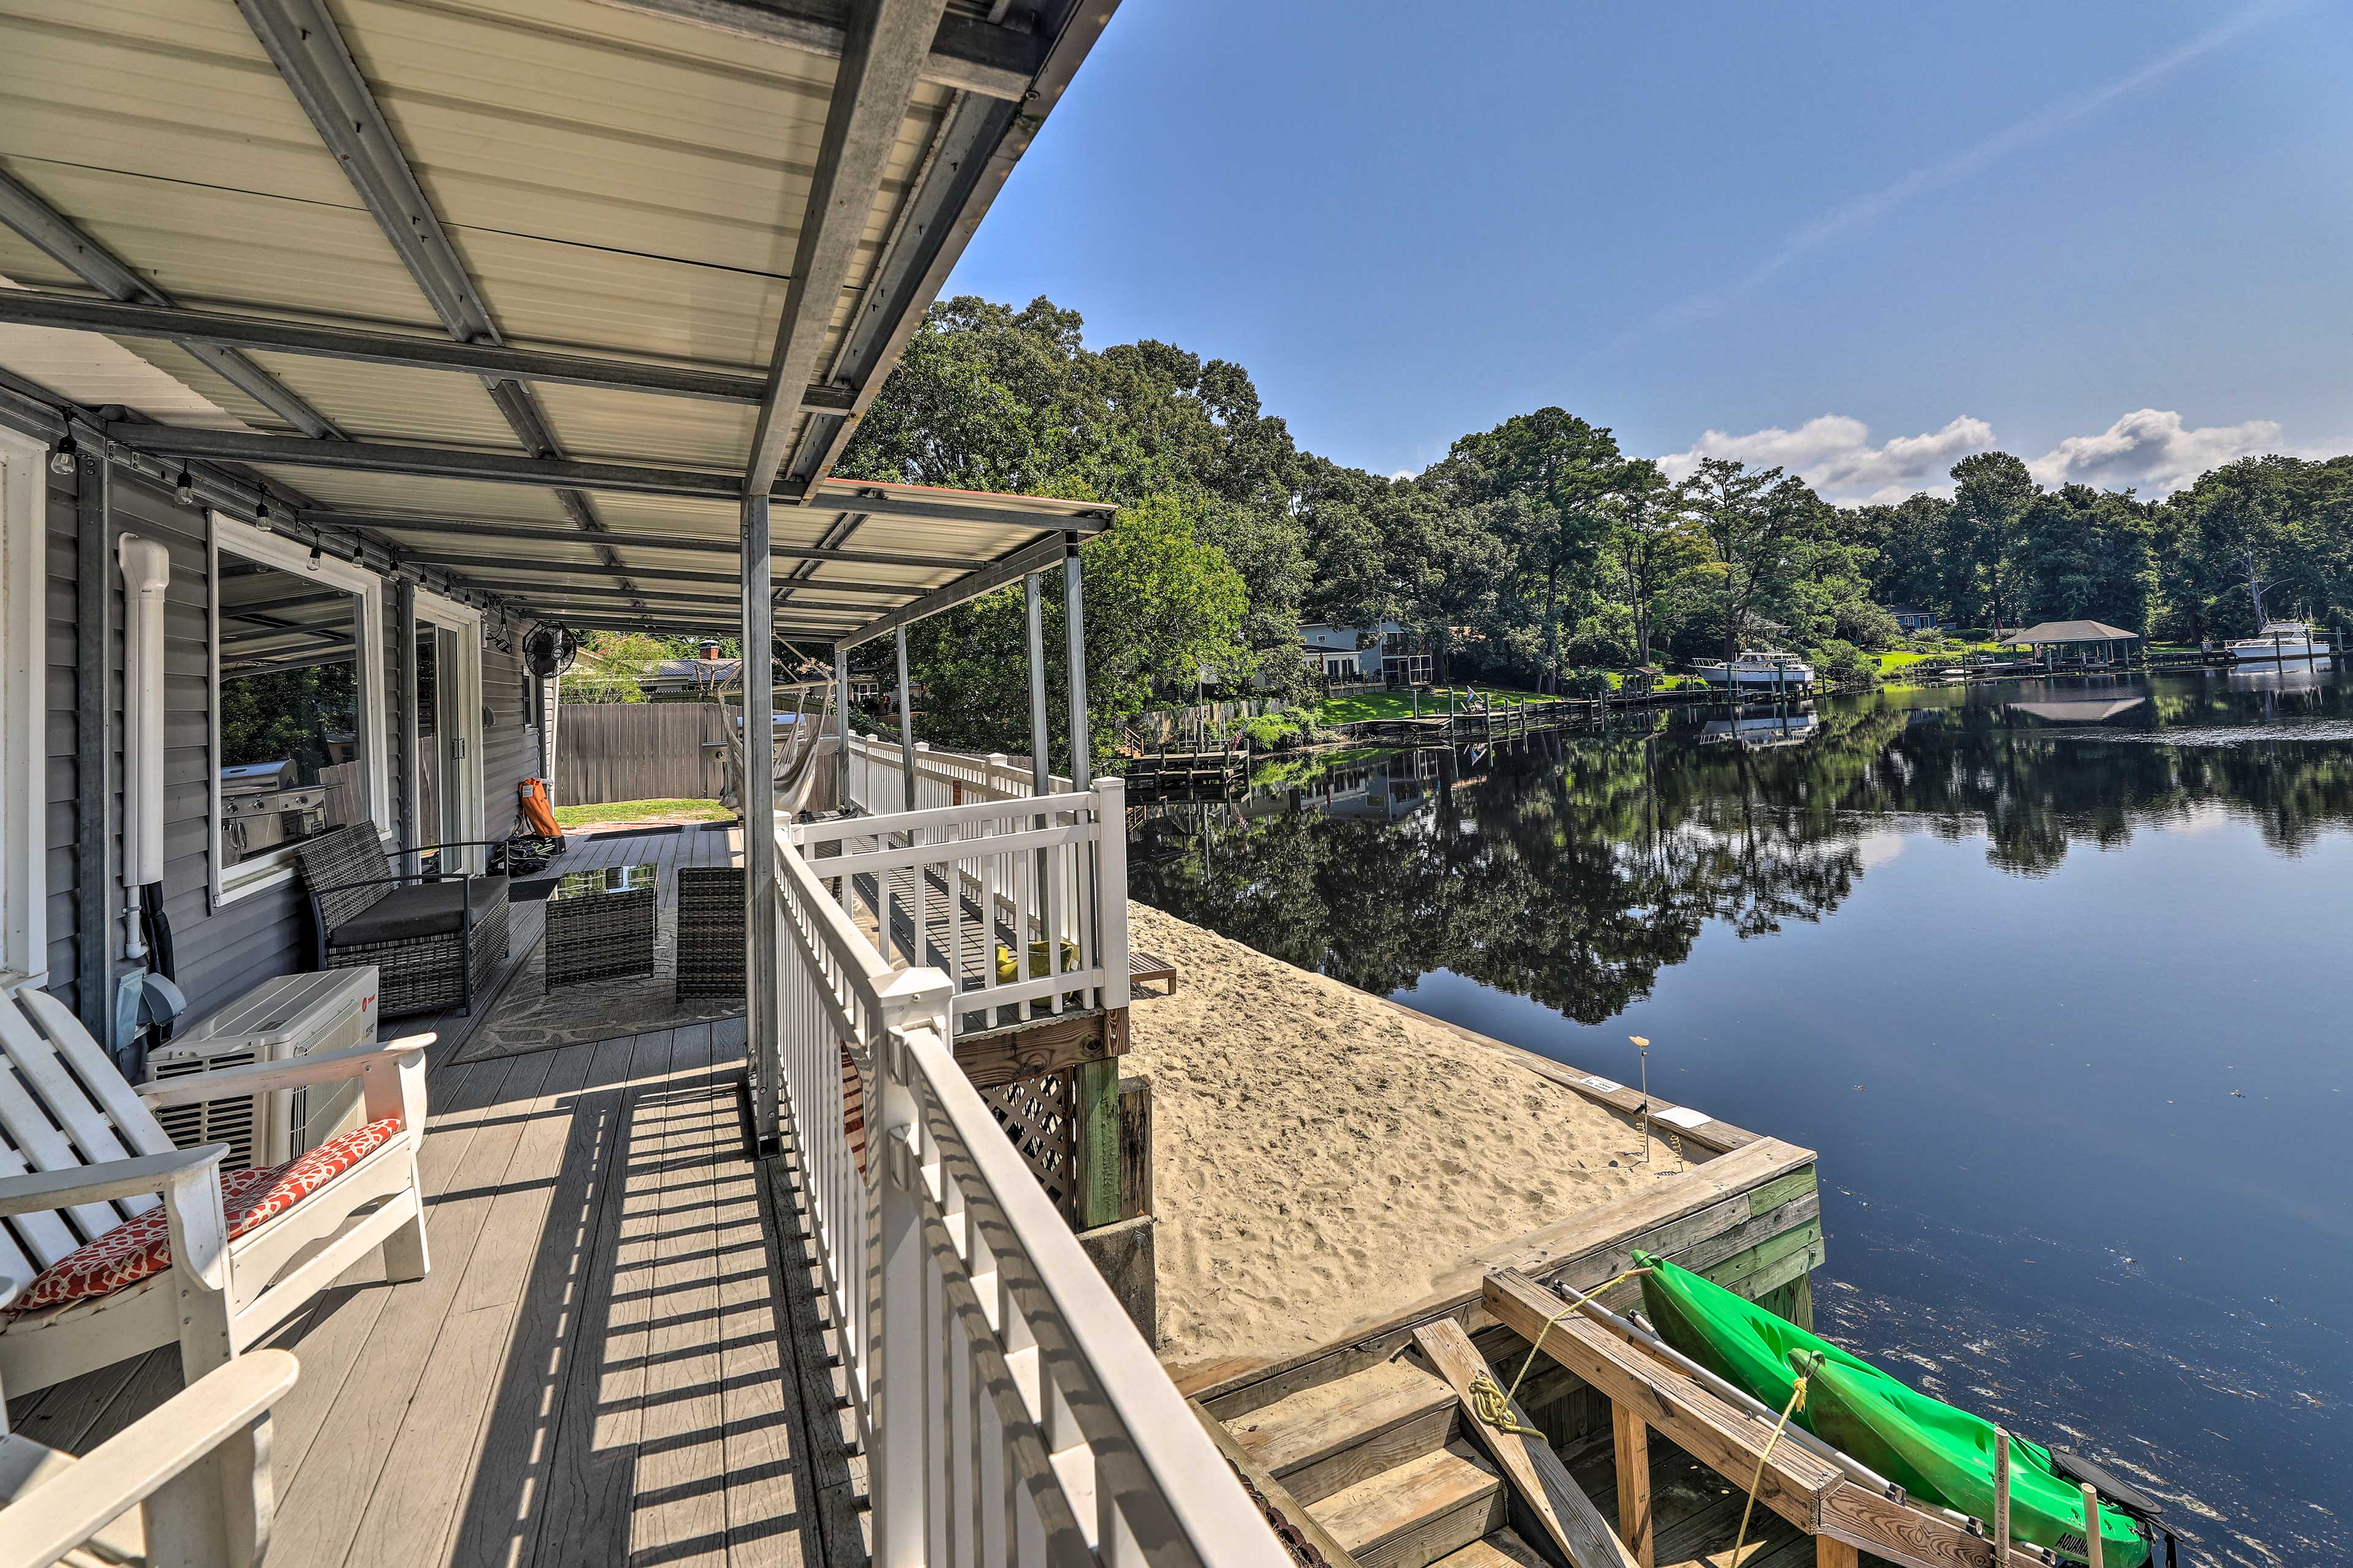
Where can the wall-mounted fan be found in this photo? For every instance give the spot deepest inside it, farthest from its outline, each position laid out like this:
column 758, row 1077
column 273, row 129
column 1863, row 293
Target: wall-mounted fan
column 548, row 649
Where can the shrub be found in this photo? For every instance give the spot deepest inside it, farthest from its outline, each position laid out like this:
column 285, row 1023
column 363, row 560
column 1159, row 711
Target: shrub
column 1841, row 661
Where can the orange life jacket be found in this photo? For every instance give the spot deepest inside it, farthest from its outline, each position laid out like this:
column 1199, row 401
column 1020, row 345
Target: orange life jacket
column 535, row 809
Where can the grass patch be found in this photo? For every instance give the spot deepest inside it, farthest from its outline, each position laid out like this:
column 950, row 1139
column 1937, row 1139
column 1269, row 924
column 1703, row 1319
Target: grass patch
column 642, row 810
column 1371, row 705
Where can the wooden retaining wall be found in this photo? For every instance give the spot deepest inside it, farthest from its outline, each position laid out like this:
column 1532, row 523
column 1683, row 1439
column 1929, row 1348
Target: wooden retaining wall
column 1746, row 1213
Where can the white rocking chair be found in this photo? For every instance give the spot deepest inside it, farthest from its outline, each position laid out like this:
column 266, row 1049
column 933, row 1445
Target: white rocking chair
column 81, row 1155
column 187, row 1484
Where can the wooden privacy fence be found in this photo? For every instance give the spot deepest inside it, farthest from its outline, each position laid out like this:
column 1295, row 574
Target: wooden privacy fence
column 608, row 752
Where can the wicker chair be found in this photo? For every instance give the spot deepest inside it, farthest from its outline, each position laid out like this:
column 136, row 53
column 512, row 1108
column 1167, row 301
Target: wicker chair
column 434, row 936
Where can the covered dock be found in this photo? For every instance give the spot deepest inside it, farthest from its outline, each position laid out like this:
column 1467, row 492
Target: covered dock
column 2076, row 642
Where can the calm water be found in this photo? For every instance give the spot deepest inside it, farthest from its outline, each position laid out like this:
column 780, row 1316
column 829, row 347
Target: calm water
column 2056, row 976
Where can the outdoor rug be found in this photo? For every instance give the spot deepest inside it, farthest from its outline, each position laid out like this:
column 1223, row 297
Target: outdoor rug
column 528, row 1017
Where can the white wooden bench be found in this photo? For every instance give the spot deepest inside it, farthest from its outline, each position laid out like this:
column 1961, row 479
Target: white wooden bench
column 82, row 1154
column 187, row 1484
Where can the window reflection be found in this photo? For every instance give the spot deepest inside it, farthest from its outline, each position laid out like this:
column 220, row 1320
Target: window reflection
column 292, row 762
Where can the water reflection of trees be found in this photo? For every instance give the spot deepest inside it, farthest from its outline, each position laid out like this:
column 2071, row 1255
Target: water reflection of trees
column 1575, row 867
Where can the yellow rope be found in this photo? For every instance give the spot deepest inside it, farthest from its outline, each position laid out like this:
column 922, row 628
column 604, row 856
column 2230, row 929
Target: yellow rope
column 1491, row 1404
column 1796, row 1403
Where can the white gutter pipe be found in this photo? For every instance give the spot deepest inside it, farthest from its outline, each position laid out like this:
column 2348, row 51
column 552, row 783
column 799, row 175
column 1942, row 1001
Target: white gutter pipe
column 146, row 574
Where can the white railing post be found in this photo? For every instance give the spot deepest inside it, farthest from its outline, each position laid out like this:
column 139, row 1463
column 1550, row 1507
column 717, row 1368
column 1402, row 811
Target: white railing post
column 1110, row 887
column 897, row 1461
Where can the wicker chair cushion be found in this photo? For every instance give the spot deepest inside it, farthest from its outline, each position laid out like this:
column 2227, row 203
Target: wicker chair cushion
column 351, row 854
column 142, row 1246
column 423, row 909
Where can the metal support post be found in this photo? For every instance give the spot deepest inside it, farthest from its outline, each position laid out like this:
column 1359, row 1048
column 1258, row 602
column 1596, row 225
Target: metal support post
column 841, row 728
column 404, row 721
column 1033, row 589
column 763, row 984
column 906, row 725
column 1074, row 645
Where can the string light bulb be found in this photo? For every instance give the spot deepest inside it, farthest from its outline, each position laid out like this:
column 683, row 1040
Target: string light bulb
column 314, row 555
column 261, row 512
column 185, row 492
column 62, row 461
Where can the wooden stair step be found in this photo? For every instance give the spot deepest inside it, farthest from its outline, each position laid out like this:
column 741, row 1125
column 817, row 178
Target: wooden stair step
column 1498, row 1549
column 1421, row 1511
column 1322, row 1440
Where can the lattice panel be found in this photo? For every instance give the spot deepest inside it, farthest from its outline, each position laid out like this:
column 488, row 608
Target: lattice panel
column 1036, row 1113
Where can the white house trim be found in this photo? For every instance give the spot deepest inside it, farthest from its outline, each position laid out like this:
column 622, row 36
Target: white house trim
column 277, row 865
column 23, row 642
column 467, row 769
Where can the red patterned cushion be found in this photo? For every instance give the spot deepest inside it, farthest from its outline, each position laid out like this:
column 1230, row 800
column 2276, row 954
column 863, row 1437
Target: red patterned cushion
column 141, row 1246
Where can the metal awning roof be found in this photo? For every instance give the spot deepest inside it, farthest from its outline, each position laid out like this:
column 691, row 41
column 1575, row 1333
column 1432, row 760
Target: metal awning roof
column 527, row 297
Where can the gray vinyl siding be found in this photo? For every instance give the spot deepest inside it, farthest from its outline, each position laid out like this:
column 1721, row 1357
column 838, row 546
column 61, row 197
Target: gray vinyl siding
column 511, row 742
column 220, row 952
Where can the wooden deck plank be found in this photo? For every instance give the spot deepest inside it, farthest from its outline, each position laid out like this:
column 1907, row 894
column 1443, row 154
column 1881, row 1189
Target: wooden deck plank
column 320, row 1507
column 330, row 1335
column 592, row 1483
column 417, row 1492
column 679, row 1511
column 506, row 1497
column 769, row 1523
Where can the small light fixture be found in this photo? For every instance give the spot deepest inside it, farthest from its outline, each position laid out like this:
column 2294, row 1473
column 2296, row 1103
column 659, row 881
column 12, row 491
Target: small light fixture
column 185, row 492
column 314, row 555
column 261, row 512
column 61, row 461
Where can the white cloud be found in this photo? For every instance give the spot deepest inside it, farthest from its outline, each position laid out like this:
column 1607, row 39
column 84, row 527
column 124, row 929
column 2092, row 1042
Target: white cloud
column 1834, row 452
column 2151, row 450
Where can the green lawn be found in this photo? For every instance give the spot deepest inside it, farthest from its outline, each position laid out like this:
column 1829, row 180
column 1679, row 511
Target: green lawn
column 1904, row 658
column 1371, row 705
column 642, row 810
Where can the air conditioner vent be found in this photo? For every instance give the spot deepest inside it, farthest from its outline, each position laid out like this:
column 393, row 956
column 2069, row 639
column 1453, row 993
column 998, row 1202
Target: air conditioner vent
column 228, row 1120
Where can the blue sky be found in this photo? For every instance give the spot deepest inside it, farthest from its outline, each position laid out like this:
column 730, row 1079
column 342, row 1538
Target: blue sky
column 1859, row 238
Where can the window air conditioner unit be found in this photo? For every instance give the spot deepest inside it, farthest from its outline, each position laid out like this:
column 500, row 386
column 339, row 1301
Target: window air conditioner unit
column 293, row 1016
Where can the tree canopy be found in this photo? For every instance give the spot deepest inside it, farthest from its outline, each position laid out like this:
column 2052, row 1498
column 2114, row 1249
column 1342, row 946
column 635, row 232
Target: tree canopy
column 1533, row 550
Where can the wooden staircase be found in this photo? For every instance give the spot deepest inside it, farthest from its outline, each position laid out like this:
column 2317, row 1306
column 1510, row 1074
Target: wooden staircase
column 1379, row 1460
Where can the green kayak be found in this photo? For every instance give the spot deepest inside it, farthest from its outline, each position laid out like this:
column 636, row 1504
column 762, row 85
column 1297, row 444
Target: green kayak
column 1936, row 1453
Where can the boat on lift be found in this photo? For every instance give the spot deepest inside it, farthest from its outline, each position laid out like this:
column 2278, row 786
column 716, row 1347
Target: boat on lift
column 1758, row 670
column 2281, row 642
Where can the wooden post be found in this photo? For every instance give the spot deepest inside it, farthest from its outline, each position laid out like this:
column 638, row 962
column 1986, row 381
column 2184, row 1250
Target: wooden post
column 2000, row 1498
column 1829, row 1552
column 1094, row 1139
column 1633, row 1442
column 2091, row 1526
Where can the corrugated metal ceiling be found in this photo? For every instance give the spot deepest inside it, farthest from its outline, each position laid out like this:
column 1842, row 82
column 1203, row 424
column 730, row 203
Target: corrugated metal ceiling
column 612, row 183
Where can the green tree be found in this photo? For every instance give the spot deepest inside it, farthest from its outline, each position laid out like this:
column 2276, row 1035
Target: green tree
column 1651, row 545
column 610, row 665
column 1544, row 482
column 1992, row 493
column 1761, row 527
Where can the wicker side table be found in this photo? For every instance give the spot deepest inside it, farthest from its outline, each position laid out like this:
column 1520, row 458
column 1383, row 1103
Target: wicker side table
column 602, row 924
column 710, row 932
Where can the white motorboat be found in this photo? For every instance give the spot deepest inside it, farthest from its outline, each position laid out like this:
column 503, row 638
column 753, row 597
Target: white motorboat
column 2279, row 643
column 1756, row 670
column 1784, row 726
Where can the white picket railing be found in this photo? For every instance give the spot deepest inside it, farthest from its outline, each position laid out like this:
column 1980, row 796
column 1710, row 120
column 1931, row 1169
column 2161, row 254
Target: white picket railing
column 1023, row 899
column 942, row 778
column 1013, row 1414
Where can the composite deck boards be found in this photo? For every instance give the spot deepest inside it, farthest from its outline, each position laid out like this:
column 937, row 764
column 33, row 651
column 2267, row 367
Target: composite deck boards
column 601, row 1365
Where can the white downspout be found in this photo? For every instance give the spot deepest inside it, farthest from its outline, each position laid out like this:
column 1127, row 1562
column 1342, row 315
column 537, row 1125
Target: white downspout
column 146, row 574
